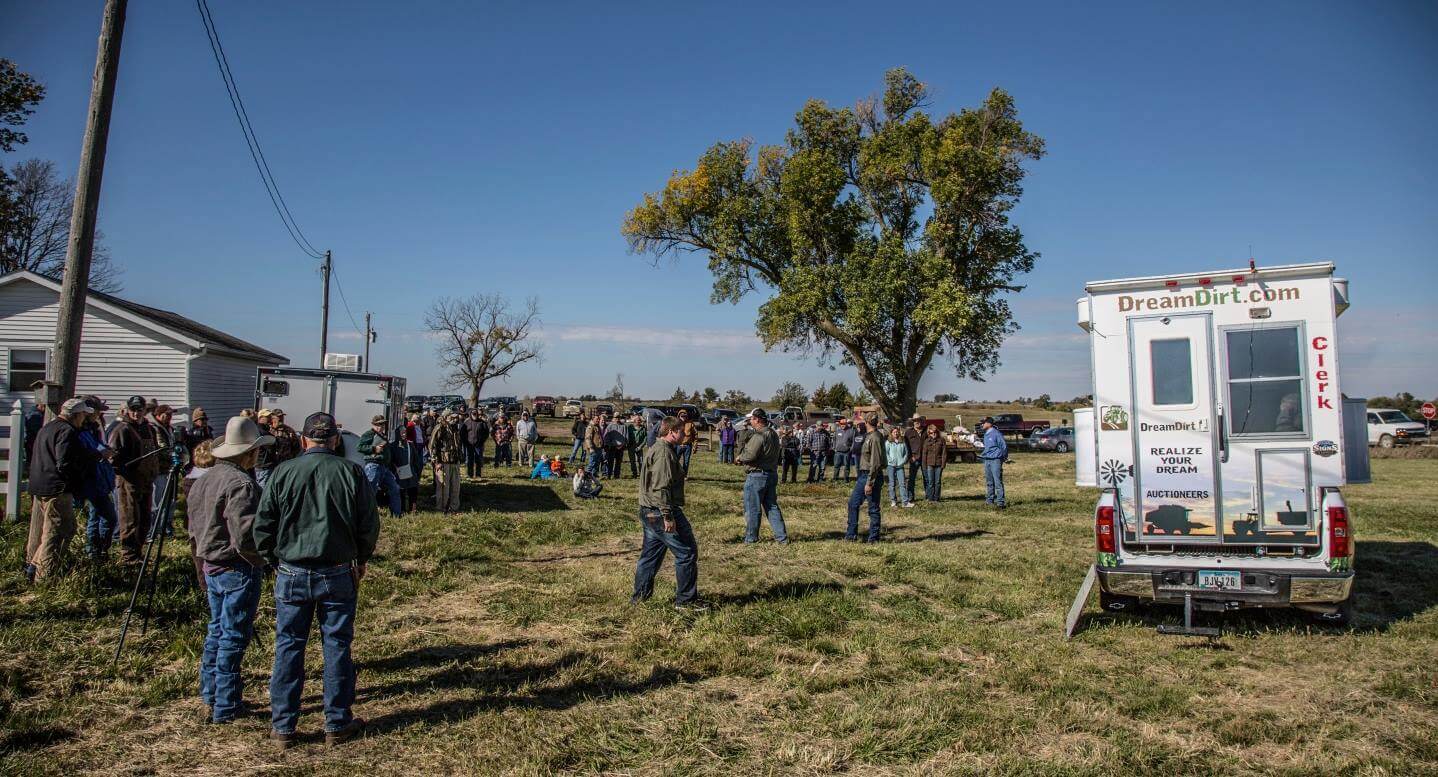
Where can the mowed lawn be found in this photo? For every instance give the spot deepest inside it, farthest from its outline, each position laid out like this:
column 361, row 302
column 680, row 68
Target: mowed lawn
column 501, row 641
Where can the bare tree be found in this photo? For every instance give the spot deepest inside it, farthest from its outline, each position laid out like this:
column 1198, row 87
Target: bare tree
column 35, row 226
column 481, row 338
column 617, row 391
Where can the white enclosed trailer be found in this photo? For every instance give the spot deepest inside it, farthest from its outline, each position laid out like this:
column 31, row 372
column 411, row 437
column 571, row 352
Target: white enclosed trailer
column 1220, row 440
column 353, row 398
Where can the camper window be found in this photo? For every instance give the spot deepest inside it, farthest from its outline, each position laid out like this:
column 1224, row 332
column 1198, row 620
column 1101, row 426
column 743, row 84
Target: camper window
column 26, row 367
column 1265, row 381
column 1172, row 364
column 276, row 388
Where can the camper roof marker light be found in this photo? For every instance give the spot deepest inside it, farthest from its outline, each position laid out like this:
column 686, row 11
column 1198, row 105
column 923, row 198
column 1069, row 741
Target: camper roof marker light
column 1205, row 281
column 1172, row 285
column 1240, row 279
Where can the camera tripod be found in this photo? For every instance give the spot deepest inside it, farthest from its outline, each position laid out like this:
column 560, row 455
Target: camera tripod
column 147, row 576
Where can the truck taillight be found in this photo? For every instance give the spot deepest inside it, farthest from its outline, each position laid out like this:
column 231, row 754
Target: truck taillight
column 1338, row 535
column 1103, row 529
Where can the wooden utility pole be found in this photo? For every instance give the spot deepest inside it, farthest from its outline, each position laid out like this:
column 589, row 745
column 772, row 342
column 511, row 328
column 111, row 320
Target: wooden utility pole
column 85, row 213
column 368, row 338
column 325, row 307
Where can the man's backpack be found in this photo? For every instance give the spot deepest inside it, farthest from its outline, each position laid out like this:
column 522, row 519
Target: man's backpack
column 586, row 486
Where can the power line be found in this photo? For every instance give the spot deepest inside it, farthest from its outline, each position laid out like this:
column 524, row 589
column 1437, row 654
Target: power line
column 341, row 289
column 257, row 155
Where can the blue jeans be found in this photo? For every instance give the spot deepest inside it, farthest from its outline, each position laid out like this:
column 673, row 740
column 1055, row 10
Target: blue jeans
column 761, row 494
column 680, row 542
column 817, row 463
column 857, row 498
column 933, row 479
column 101, row 526
column 726, row 453
column 592, row 466
column 300, row 595
column 262, row 476
column 577, row 454
column 684, row 452
column 841, row 465
column 381, row 478
column 898, row 487
column 994, row 482
column 234, row 598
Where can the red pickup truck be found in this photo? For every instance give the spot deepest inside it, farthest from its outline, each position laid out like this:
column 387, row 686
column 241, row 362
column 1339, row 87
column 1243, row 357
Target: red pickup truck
column 543, row 406
column 1013, row 424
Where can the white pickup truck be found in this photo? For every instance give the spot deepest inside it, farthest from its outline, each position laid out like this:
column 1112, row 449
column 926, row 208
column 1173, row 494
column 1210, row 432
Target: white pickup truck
column 1388, row 427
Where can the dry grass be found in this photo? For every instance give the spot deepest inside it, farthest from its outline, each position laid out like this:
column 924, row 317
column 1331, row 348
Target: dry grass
column 501, row 642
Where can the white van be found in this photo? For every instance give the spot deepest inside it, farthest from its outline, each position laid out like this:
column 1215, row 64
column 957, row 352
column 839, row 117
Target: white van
column 1220, row 439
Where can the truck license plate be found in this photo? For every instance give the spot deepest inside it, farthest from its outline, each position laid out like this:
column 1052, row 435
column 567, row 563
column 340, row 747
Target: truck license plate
column 1220, row 581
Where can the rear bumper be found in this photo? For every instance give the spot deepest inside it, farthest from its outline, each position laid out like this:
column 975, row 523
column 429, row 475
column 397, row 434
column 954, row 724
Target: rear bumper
column 1261, row 587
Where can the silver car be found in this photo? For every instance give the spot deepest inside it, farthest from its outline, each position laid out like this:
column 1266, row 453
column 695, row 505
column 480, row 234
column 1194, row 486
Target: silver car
column 1059, row 438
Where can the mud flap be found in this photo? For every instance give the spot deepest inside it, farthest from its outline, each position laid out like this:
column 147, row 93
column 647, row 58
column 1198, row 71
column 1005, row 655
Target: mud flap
column 1076, row 609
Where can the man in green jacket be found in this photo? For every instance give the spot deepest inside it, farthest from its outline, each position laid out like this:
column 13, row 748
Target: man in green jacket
column 379, row 465
column 638, row 434
column 318, row 525
column 759, row 455
column 661, row 513
column 870, row 483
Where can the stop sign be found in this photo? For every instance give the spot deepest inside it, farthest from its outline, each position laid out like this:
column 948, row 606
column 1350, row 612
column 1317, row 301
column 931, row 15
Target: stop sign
column 1429, row 411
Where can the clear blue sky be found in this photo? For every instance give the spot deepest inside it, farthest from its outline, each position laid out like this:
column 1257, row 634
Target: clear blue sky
column 449, row 148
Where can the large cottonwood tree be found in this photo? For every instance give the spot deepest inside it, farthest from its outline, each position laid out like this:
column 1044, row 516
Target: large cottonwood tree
column 882, row 234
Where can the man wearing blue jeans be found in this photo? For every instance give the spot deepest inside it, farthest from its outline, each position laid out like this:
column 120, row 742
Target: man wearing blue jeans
column 661, row 513
column 994, row 453
column 843, row 442
column 761, row 485
column 222, row 506
column 869, row 485
column 318, row 524
column 374, row 446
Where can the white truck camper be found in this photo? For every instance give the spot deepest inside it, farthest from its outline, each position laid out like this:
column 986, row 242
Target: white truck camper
column 353, row 398
column 1219, row 438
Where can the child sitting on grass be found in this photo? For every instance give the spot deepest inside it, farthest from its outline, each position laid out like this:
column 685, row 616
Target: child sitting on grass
column 543, row 470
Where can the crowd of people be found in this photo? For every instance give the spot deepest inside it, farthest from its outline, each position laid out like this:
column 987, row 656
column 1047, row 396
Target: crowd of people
column 264, row 498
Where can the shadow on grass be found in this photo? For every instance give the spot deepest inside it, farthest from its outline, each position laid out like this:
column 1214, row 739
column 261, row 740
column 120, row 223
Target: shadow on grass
column 777, row 592
column 577, row 556
column 496, row 688
column 503, row 497
column 439, row 654
column 1395, row 581
column 966, row 534
column 22, row 739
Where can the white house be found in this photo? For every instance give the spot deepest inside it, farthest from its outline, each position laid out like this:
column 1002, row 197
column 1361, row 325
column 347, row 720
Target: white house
column 126, row 349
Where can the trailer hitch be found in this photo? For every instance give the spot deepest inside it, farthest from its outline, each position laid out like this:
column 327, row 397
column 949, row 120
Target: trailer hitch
column 1188, row 629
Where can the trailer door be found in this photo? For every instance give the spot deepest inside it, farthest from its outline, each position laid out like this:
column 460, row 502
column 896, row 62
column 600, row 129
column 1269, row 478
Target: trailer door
column 1174, row 427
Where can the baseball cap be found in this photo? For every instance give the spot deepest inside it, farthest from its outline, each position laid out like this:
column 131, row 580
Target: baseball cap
column 379, row 420
column 988, row 419
column 265, row 413
column 96, row 404
column 758, row 412
column 319, row 426
column 75, row 405
column 136, row 402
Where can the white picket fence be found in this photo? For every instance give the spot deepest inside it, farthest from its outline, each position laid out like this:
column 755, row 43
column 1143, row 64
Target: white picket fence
column 12, row 450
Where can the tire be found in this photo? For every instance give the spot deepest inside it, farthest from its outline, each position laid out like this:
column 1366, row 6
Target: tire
column 1062, row 447
column 1116, row 603
column 1386, row 441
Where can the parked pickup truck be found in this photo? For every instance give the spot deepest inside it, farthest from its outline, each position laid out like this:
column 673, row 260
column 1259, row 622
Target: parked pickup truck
column 1014, row 424
column 1388, row 427
column 543, row 405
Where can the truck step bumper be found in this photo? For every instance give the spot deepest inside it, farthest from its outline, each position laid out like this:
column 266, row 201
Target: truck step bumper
column 1260, row 587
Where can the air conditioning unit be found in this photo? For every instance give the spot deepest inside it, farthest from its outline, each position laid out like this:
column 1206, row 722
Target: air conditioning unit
column 342, row 362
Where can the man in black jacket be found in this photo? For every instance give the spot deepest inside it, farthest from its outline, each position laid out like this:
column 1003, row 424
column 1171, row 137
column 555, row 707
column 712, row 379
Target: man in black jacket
column 59, row 465
column 476, row 434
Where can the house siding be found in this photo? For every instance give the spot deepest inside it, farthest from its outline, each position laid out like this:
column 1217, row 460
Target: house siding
column 120, row 358
column 223, row 386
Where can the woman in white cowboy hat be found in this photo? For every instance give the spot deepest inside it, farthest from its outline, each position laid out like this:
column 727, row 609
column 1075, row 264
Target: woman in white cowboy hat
column 222, row 508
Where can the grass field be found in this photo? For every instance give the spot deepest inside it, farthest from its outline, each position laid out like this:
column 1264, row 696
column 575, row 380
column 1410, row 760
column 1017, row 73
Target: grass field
column 501, row 642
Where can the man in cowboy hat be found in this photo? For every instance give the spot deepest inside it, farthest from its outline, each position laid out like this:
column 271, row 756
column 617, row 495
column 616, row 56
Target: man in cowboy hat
column 222, row 506
column 318, row 524
column 378, row 465
column 445, row 451
column 59, row 466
